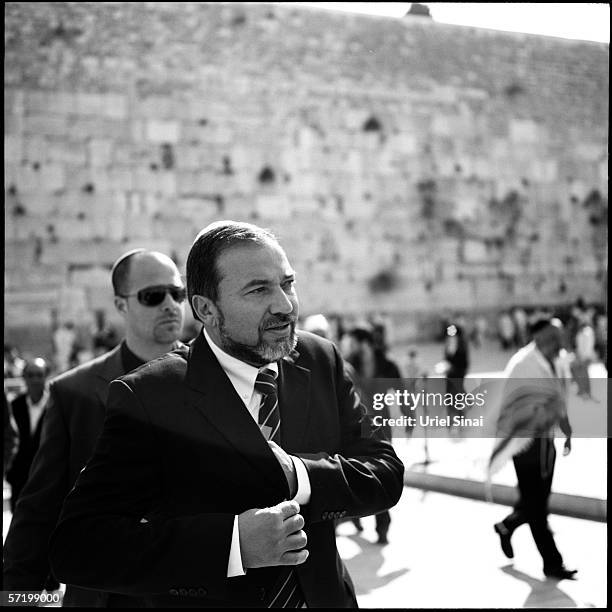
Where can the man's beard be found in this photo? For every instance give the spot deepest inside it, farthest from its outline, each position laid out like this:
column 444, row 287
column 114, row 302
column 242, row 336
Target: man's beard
column 263, row 352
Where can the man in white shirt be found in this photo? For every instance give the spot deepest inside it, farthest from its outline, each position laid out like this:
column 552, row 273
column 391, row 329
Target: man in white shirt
column 28, row 410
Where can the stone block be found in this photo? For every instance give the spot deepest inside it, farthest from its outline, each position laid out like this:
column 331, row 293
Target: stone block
column 45, row 125
column 100, row 152
column 156, row 107
column 13, row 148
column 28, row 179
column 271, row 206
column 101, row 180
column 89, row 104
column 167, row 183
column 60, row 151
column 524, row 131
column 406, row 143
column 443, row 125
column 14, row 100
column 590, row 151
column 163, row 131
column 121, row 178
column 114, row 106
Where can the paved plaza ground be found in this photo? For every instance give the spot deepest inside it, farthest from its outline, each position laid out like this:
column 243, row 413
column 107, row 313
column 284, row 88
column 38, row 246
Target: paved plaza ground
column 443, row 552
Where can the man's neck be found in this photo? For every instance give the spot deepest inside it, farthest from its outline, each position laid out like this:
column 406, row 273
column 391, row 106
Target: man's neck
column 148, row 351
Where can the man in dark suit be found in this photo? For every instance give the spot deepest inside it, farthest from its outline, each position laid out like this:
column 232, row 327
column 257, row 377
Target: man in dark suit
column 222, row 468
column 149, row 295
column 28, row 410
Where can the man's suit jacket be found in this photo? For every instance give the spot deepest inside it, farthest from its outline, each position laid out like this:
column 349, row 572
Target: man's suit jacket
column 73, row 422
column 180, row 456
column 27, row 445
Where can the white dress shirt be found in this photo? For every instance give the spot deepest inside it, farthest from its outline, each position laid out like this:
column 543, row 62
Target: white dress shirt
column 242, row 376
column 35, row 409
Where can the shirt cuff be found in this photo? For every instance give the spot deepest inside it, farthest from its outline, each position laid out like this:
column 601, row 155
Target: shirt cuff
column 234, row 564
column 303, row 481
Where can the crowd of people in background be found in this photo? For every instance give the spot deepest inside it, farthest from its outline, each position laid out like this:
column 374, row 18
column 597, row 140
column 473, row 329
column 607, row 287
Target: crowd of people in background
column 363, row 343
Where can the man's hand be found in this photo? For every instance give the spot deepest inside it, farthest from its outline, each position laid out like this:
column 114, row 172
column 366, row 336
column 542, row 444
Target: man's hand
column 272, row 536
column 287, row 464
column 567, row 447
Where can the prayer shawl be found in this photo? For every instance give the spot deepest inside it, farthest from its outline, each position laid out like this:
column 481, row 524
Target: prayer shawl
column 532, row 404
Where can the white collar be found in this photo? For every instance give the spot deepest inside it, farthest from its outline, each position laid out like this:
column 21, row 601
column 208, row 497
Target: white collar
column 241, row 374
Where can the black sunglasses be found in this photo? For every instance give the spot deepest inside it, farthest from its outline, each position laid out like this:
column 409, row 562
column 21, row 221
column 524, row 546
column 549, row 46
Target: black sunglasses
column 154, row 296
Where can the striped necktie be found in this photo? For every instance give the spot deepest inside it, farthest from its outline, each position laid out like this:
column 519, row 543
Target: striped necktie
column 286, row 591
column 269, row 414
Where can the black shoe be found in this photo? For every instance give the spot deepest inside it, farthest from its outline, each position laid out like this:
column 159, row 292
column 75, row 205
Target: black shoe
column 504, row 539
column 561, row 573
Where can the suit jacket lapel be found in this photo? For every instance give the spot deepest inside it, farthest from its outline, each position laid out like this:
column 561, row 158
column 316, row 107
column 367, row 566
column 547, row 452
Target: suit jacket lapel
column 294, row 402
column 216, row 399
column 110, row 368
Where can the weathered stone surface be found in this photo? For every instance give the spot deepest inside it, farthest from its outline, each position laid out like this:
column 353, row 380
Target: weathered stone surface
column 404, row 146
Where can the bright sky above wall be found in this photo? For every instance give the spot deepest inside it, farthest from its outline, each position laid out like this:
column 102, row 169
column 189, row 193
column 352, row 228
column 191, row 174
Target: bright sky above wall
column 577, row 20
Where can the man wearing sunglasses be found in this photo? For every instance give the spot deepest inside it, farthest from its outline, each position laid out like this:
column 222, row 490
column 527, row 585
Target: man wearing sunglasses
column 223, row 467
column 150, row 296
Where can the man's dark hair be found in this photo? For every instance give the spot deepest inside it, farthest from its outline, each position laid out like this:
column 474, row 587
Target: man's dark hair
column 539, row 324
column 120, row 272
column 202, row 271
column 37, row 362
column 362, row 334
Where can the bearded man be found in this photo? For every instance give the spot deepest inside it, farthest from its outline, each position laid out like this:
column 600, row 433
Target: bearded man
column 222, row 468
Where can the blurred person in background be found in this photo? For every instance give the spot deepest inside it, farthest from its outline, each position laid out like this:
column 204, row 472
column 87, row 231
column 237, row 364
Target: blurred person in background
column 519, row 317
column 13, row 363
column 456, row 355
column 370, row 363
column 601, row 337
column 415, row 375
column 319, row 325
column 479, row 331
column 64, row 341
column 534, row 402
column 10, row 437
column 505, row 330
column 584, row 356
column 28, row 411
column 149, row 296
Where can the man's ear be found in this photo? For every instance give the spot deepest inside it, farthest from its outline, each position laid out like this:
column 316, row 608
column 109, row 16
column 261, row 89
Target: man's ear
column 120, row 304
column 206, row 310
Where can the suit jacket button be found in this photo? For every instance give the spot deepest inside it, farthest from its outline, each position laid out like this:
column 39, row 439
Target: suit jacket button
column 174, row 592
column 183, row 592
column 202, row 592
column 262, row 593
column 193, row 593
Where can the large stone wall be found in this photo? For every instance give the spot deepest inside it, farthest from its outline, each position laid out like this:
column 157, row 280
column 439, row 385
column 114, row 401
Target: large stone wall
column 407, row 166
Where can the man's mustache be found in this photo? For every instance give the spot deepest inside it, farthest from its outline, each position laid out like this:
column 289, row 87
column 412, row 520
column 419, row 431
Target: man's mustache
column 279, row 321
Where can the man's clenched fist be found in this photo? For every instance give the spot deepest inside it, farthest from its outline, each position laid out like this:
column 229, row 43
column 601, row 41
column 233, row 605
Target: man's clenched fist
column 272, row 536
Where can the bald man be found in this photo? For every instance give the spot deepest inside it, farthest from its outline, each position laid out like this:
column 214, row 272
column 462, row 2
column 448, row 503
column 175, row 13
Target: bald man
column 149, row 296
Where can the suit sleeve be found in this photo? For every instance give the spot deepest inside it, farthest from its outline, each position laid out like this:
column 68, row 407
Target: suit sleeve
column 364, row 476
column 26, row 564
column 112, row 519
